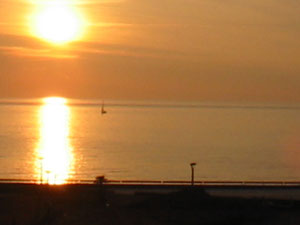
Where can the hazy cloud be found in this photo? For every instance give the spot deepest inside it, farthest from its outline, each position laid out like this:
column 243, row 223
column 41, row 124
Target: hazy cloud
column 22, row 46
column 39, row 53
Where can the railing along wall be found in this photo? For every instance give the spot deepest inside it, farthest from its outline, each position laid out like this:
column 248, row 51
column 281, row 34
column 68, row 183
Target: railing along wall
column 164, row 182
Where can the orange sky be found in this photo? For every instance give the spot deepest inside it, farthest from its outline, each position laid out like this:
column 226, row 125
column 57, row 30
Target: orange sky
column 194, row 50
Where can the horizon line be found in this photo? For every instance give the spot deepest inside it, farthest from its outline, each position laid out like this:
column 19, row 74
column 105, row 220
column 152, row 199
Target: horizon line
column 152, row 104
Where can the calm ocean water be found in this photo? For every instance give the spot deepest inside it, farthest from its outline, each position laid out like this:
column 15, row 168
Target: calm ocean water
column 54, row 141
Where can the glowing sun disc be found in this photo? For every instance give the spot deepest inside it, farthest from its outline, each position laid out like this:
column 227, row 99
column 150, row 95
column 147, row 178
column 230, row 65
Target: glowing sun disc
column 58, row 24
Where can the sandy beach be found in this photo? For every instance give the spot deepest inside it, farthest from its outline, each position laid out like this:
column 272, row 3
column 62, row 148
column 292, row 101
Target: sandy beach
column 29, row 204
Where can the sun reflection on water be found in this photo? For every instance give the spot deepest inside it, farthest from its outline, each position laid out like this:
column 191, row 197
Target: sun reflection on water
column 54, row 153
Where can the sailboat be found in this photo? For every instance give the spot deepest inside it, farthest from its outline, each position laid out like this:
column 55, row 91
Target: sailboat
column 103, row 111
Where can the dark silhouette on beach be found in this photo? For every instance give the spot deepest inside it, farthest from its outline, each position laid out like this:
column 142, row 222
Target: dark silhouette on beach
column 24, row 204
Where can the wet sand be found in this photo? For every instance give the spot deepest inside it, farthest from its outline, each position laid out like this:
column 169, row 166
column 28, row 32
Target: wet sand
column 28, row 204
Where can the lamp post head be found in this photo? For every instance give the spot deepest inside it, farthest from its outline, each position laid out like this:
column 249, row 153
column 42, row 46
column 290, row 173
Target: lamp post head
column 193, row 164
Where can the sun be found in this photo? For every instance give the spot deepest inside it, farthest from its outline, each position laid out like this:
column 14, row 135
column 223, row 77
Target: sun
column 58, row 23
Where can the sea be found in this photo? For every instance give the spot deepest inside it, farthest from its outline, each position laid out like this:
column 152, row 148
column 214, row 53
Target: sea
column 55, row 140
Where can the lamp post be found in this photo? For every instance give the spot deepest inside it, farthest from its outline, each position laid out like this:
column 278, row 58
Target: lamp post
column 41, row 168
column 48, row 176
column 192, row 175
